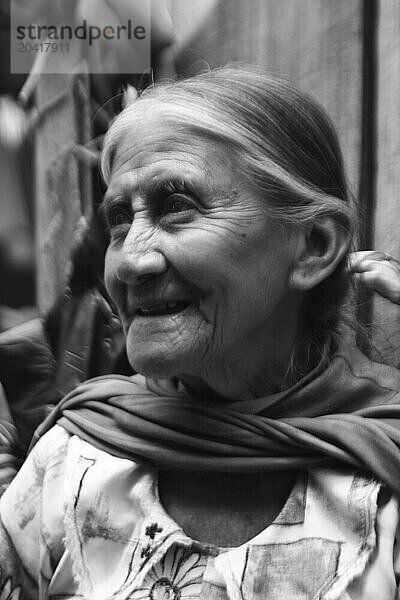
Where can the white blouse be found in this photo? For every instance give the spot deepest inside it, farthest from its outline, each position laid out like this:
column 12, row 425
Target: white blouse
column 80, row 523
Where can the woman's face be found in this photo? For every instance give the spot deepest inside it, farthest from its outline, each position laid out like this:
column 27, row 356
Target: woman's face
column 197, row 269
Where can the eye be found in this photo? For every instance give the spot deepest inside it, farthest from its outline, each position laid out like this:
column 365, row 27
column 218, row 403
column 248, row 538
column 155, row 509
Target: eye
column 118, row 216
column 176, row 203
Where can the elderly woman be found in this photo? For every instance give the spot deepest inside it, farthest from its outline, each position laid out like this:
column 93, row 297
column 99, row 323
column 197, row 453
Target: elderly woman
column 253, row 455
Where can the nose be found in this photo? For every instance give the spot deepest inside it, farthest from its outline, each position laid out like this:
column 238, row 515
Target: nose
column 136, row 268
column 140, row 257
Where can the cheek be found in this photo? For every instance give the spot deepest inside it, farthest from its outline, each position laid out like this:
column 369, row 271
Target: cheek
column 202, row 255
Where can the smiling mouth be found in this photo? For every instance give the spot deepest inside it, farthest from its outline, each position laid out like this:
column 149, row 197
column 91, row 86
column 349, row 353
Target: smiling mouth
column 162, row 309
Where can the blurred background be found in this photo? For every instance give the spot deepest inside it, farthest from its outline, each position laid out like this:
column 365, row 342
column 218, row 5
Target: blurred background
column 346, row 53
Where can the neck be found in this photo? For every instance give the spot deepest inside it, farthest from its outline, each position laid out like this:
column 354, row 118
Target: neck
column 217, row 508
column 266, row 372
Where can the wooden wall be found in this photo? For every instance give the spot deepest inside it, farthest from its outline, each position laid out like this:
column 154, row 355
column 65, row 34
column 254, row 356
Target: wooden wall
column 386, row 223
column 318, row 44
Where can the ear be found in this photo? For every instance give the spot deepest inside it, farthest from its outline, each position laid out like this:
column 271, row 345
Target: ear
column 320, row 248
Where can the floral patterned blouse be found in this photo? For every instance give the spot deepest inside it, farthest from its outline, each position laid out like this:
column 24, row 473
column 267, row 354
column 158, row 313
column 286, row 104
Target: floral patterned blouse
column 80, row 523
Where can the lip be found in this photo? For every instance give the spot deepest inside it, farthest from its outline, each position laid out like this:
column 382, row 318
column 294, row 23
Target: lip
column 161, row 309
column 160, row 305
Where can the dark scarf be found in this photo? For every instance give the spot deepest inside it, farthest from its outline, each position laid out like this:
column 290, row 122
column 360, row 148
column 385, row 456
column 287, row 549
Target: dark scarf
column 346, row 412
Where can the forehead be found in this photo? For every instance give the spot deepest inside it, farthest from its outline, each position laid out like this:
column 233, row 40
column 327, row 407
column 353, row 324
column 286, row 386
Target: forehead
column 149, row 145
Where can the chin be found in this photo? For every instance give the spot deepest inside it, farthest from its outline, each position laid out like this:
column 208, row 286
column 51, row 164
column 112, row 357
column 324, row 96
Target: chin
column 153, row 364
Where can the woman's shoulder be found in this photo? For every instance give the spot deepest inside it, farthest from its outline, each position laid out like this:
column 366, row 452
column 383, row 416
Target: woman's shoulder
column 62, row 466
column 58, row 444
column 54, row 439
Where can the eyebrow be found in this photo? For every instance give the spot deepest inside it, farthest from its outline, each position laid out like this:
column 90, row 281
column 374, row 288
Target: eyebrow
column 155, row 187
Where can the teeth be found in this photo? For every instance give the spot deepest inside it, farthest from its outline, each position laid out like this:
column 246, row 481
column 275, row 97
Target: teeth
column 165, row 308
column 171, row 304
column 159, row 307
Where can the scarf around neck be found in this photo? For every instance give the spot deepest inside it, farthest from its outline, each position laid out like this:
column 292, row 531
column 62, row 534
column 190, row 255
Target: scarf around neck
column 347, row 413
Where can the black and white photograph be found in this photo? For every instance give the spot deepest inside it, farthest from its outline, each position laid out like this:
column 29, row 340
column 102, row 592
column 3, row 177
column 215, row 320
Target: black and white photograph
column 199, row 300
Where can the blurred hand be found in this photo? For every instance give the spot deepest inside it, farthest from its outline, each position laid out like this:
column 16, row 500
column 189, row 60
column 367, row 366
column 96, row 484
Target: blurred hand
column 377, row 271
column 119, row 57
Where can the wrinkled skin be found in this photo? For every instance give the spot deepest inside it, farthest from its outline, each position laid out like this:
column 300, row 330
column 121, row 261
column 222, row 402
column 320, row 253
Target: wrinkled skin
column 210, row 243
